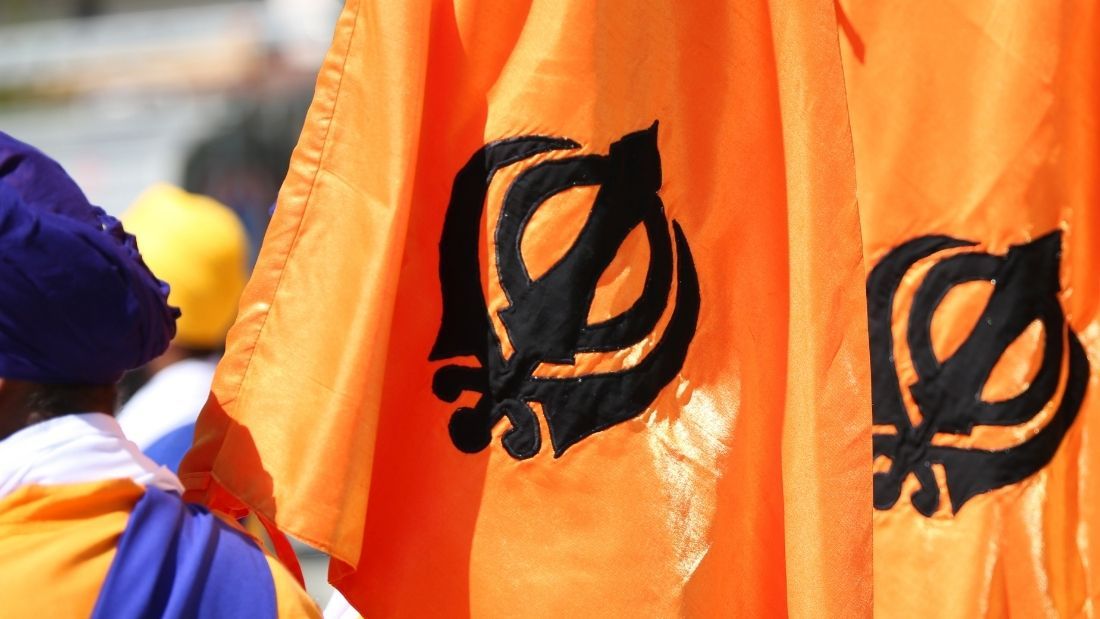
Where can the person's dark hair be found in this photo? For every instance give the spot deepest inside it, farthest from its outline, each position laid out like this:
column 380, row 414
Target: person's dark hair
column 56, row 400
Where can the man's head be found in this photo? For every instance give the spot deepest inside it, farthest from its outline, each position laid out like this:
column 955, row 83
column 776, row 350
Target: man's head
column 199, row 246
column 78, row 307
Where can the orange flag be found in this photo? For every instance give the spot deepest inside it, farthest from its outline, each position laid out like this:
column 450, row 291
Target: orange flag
column 976, row 136
column 561, row 313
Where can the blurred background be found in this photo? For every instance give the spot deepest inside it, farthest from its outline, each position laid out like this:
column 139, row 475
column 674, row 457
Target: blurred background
column 205, row 94
column 209, row 95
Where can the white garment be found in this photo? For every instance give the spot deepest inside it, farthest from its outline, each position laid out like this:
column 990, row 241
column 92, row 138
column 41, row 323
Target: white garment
column 170, row 400
column 73, row 449
column 338, row 607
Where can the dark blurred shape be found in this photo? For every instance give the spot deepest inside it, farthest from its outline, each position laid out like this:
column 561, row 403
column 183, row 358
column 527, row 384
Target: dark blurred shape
column 38, row 10
column 242, row 162
column 88, row 8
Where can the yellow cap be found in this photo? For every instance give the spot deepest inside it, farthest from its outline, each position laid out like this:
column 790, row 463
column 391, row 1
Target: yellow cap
column 199, row 246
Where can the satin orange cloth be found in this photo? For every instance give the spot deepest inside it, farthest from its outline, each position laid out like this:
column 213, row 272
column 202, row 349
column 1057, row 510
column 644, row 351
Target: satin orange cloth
column 740, row 488
column 978, row 120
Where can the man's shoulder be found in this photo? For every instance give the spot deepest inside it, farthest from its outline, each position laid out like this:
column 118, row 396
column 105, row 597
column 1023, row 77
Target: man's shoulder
column 115, row 548
column 213, row 566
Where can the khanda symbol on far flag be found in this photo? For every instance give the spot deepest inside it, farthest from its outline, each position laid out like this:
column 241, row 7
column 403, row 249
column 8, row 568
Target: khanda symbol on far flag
column 948, row 390
column 546, row 316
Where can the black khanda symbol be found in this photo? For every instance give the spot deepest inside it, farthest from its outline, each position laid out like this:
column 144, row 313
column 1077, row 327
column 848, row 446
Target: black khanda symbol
column 547, row 316
column 948, row 391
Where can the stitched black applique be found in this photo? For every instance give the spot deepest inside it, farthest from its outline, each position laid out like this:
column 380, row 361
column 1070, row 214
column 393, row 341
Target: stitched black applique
column 546, row 318
column 948, row 391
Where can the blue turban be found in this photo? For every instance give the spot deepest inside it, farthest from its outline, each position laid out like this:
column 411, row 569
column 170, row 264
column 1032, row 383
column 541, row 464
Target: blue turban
column 77, row 304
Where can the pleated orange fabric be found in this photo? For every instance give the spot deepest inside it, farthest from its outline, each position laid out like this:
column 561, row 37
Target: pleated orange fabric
column 561, row 313
column 978, row 163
